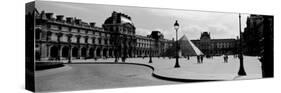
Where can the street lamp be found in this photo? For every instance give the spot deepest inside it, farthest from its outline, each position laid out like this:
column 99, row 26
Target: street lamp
column 176, row 26
column 241, row 71
column 150, row 42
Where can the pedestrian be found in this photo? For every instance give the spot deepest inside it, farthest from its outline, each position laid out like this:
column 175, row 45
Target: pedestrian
column 201, row 58
column 96, row 58
column 123, row 59
column 223, row 58
column 198, row 59
column 226, row 58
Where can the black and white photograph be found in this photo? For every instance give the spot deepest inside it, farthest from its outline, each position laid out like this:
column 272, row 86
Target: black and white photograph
column 80, row 46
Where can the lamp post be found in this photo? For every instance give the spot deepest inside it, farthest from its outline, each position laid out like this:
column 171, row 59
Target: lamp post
column 176, row 26
column 241, row 71
column 150, row 58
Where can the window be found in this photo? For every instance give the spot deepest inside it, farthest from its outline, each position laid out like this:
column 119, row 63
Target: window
column 86, row 40
column 59, row 27
column 105, row 41
column 63, row 28
column 48, row 26
column 69, row 29
column 94, row 40
column 99, row 41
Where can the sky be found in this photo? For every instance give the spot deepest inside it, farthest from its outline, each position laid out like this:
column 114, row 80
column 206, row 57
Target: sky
column 192, row 23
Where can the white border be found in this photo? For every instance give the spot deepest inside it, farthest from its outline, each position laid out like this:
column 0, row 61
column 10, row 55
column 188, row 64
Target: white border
column 12, row 45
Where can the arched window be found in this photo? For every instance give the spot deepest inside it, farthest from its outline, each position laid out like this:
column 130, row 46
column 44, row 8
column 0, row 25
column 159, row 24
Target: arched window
column 75, row 52
column 98, row 52
column 54, row 51
column 91, row 52
column 83, row 52
column 65, row 51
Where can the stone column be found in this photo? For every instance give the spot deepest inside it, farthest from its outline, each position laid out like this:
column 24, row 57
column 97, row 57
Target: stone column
column 107, row 53
column 48, row 51
column 87, row 52
column 112, row 53
column 70, row 51
column 60, row 52
column 79, row 48
column 95, row 50
column 79, row 52
column 69, row 47
column 101, row 52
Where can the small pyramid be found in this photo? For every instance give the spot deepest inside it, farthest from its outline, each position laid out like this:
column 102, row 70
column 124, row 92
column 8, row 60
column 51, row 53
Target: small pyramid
column 187, row 48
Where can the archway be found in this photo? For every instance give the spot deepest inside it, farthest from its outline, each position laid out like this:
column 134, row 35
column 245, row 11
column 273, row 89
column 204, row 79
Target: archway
column 54, row 52
column 65, row 51
column 98, row 52
column 91, row 52
column 75, row 52
column 104, row 53
column 83, row 52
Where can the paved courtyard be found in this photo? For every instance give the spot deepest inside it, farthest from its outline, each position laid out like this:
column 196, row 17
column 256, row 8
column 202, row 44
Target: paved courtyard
column 95, row 76
column 211, row 69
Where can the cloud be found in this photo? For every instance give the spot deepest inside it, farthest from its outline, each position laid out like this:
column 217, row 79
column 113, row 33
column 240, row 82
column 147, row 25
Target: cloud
column 143, row 32
column 192, row 31
column 192, row 23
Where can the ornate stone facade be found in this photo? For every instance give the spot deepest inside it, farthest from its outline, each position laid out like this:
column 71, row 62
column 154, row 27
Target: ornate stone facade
column 216, row 46
column 70, row 38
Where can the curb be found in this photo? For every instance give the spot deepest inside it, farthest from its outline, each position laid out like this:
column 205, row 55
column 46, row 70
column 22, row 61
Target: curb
column 153, row 74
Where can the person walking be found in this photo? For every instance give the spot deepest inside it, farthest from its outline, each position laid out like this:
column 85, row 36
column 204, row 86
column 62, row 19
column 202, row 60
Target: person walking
column 226, row 58
column 201, row 58
column 223, row 58
column 198, row 59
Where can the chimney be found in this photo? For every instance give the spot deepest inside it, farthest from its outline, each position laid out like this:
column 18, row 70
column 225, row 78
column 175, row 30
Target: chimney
column 69, row 19
column 59, row 17
column 92, row 24
column 49, row 15
column 77, row 21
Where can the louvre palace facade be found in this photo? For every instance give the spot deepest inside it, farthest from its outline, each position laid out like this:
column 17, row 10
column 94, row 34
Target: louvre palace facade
column 60, row 38
column 215, row 47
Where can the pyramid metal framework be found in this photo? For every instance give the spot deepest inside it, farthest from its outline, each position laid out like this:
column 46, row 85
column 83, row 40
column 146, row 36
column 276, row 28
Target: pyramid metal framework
column 187, row 48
